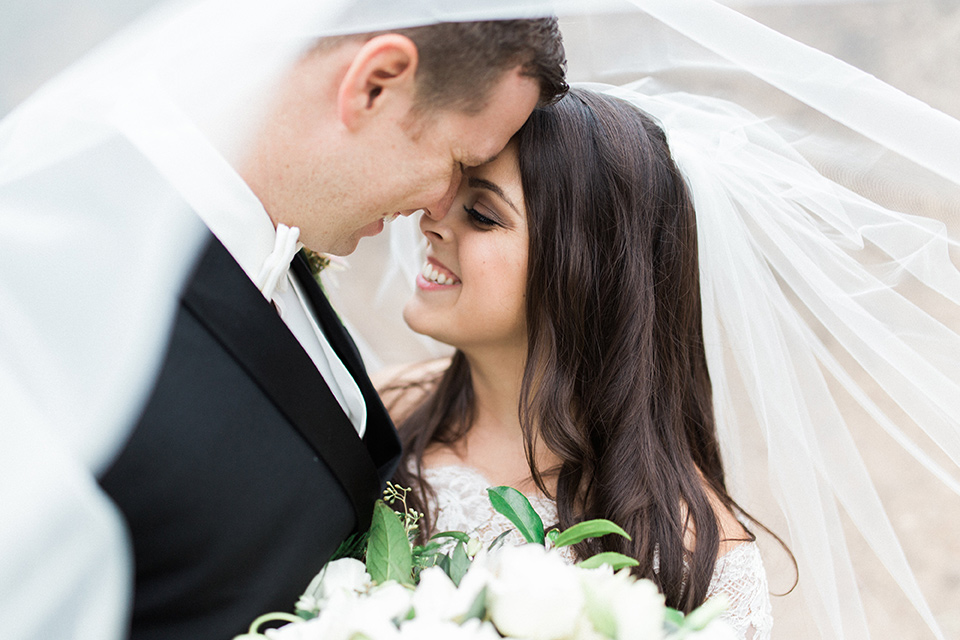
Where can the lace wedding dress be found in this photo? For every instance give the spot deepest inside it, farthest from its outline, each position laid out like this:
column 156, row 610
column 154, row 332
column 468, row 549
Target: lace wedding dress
column 462, row 505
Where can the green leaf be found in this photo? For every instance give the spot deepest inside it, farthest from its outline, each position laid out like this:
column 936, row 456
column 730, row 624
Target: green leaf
column 459, row 563
column 353, row 547
column 552, row 536
column 588, row 529
column 515, row 506
column 456, row 535
column 498, row 541
column 612, row 558
column 478, row 608
column 389, row 556
column 443, row 561
column 672, row 618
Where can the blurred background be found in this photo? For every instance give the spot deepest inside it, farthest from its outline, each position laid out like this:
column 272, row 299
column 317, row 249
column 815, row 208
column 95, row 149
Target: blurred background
column 913, row 45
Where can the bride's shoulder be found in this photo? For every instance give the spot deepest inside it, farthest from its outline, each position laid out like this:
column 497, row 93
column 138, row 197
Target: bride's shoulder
column 733, row 533
column 403, row 387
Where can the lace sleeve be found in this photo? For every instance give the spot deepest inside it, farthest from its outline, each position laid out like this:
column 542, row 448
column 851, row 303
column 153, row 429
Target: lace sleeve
column 740, row 576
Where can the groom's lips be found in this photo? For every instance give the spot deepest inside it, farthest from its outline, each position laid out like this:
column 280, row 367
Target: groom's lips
column 376, row 226
column 372, row 229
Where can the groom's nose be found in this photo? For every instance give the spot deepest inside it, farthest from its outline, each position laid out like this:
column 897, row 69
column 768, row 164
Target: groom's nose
column 437, row 210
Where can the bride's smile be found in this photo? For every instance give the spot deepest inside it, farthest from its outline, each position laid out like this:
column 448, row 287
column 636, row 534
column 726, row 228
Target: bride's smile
column 471, row 289
column 435, row 275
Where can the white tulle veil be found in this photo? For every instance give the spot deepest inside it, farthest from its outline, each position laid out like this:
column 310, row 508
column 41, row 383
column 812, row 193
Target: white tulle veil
column 826, row 204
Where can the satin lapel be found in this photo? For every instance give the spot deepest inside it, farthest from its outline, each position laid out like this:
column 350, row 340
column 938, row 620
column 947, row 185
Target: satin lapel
column 381, row 437
column 224, row 299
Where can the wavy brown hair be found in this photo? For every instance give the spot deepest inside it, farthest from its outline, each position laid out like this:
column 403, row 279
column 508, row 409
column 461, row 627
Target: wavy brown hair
column 616, row 382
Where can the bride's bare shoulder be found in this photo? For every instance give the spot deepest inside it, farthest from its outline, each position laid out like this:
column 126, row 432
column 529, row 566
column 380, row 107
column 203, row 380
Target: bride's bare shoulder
column 403, row 387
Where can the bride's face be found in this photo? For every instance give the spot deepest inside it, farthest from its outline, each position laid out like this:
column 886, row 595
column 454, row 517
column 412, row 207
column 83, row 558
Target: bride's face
column 471, row 291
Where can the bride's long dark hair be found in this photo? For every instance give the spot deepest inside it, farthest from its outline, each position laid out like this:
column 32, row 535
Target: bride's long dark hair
column 616, row 382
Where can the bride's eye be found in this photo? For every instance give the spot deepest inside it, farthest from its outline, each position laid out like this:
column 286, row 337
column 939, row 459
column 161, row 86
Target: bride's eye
column 479, row 219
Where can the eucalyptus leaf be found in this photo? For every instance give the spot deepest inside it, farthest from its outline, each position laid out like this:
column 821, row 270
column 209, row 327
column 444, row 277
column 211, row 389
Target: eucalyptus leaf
column 429, row 549
column 672, row 618
column 443, row 561
column 353, row 547
column 498, row 541
column 478, row 608
column 517, row 509
column 459, row 563
column 456, row 535
column 588, row 529
column 389, row 556
column 612, row 558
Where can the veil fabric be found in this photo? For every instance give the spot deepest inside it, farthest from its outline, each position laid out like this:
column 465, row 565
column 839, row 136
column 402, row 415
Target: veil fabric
column 827, row 260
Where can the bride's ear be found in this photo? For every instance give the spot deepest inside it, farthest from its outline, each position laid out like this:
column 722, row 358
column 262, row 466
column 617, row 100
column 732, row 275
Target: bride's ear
column 378, row 80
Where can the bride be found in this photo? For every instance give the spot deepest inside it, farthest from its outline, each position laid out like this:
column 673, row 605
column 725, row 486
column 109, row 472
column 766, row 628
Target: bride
column 565, row 274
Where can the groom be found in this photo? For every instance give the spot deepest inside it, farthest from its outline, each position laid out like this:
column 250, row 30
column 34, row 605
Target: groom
column 264, row 444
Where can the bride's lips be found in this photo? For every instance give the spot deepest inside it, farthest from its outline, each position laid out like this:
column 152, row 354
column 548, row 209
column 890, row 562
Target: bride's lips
column 436, row 277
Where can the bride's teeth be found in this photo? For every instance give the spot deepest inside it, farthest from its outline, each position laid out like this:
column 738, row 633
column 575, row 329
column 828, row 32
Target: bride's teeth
column 433, row 274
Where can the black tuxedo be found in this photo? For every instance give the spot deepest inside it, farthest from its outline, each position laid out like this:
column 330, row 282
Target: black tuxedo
column 243, row 474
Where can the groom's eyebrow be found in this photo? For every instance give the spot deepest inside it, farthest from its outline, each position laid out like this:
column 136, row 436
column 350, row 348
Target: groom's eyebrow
column 480, row 183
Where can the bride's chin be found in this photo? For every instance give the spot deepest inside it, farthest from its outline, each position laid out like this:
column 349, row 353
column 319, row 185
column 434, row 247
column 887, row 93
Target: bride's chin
column 417, row 323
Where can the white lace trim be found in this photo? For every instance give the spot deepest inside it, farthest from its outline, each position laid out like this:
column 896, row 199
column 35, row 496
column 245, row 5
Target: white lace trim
column 462, row 505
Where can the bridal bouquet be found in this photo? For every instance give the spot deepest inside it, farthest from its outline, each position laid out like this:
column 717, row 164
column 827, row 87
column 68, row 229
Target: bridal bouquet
column 452, row 589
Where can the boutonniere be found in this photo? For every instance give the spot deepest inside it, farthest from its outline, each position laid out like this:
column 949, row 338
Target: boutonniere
column 317, row 262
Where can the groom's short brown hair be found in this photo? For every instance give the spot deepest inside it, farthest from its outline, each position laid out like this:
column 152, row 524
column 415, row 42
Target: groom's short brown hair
column 460, row 62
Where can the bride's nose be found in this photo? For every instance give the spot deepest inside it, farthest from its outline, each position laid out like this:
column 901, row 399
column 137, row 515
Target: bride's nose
column 434, row 226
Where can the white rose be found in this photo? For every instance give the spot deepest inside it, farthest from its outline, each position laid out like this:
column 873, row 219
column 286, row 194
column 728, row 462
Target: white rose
column 716, row 630
column 343, row 575
column 621, row 606
column 434, row 629
column 293, row 631
column 437, row 597
column 346, row 616
column 331, row 626
column 534, row 594
column 638, row 610
column 390, row 600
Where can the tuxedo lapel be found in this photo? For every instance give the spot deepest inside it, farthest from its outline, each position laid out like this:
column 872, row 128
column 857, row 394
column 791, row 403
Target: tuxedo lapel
column 222, row 297
column 381, row 437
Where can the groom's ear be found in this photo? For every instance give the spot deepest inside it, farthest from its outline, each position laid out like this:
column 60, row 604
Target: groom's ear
column 379, row 79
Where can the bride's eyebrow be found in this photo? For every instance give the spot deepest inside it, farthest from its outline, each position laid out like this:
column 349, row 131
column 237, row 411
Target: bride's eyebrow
column 480, row 183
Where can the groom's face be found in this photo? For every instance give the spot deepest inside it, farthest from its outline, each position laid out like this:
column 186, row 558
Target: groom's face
column 346, row 143
column 416, row 162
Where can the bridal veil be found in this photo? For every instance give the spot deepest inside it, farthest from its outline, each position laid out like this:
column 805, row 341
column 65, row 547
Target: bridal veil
column 827, row 211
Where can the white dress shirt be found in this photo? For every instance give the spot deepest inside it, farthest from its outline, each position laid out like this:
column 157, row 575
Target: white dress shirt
column 264, row 253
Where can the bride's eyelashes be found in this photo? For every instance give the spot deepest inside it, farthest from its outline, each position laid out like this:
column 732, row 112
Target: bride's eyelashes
column 480, row 220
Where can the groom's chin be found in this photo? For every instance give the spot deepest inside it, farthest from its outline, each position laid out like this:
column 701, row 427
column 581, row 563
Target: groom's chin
column 371, row 229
